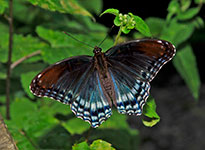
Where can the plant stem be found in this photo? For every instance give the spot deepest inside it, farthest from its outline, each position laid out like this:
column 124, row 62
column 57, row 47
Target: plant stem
column 10, row 20
column 23, row 132
column 13, row 65
column 118, row 35
column 88, row 134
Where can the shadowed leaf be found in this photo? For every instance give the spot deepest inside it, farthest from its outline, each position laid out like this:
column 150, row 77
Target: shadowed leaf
column 185, row 63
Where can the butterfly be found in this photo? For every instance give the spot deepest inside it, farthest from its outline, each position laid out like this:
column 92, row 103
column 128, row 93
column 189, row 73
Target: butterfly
column 120, row 76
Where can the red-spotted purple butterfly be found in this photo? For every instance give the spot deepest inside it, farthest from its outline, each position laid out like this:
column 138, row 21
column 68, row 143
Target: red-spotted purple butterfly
column 91, row 85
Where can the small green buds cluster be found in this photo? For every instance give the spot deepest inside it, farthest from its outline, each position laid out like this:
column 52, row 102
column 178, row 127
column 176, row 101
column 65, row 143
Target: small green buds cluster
column 127, row 22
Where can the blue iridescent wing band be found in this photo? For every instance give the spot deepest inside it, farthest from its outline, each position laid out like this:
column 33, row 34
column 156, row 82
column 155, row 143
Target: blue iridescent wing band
column 131, row 92
column 132, row 66
column 73, row 81
column 91, row 105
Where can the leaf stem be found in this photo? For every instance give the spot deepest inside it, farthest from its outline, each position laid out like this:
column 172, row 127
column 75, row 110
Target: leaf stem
column 10, row 20
column 118, row 35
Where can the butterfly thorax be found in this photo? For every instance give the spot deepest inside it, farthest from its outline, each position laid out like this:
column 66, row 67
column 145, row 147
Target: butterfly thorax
column 101, row 66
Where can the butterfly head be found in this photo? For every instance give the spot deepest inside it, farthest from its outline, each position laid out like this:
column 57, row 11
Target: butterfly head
column 97, row 50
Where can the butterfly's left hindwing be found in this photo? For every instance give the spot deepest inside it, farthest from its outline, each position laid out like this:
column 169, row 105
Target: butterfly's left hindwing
column 91, row 105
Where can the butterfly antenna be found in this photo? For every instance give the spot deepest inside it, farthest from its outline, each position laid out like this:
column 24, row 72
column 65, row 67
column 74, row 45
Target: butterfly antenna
column 78, row 40
column 106, row 36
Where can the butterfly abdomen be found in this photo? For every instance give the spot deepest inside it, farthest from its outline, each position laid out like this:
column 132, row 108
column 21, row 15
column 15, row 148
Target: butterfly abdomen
column 104, row 76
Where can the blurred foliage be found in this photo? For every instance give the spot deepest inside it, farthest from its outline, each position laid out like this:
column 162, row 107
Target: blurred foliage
column 41, row 123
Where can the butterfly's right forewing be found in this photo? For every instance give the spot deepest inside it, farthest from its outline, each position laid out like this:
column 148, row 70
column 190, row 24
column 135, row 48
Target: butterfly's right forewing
column 133, row 65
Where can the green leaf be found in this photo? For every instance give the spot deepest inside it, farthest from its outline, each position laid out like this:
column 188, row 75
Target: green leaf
column 55, row 38
column 62, row 6
column 110, row 11
column 63, row 46
column 185, row 4
column 117, row 22
column 21, row 114
column 92, row 5
column 149, row 110
column 3, row 106
column 177, row 33
column 28, row 120
column 28, row 14
column 151, row 122
column 96, row 145
column 26, row 81
column 199, row 1
column 4, row 28
column 20, row 139
column 156, row 25
column 3, row 71
column 125, row 30
column 22, row 46
column 174, row 6
column 3, row 6
column 92, row 26
column 101, row 145
column 189, row 14
column 76, row 126
column 56, row 107
column 185, row 63
column 198, row 22
column 141, row 26
column 81, row 146
column 113, row 123
column 173, row 9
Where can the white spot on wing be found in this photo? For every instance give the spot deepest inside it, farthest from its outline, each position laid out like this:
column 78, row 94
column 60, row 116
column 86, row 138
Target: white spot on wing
column 159, row 41
column 39, row 75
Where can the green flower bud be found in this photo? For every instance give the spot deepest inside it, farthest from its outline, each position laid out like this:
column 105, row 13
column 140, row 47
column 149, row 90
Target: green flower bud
column 125, row 16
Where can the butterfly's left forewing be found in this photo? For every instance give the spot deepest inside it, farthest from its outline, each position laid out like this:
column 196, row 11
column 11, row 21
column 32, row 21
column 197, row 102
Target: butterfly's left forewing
column 58, row 80
column 74, row 81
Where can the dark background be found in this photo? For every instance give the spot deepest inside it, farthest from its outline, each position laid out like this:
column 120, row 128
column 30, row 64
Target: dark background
column 182, row 118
